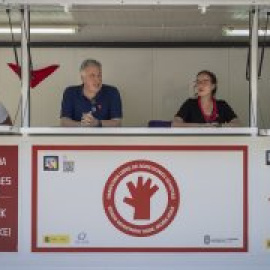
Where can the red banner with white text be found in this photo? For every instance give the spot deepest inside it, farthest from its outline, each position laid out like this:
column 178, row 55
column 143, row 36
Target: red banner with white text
column 8, row 198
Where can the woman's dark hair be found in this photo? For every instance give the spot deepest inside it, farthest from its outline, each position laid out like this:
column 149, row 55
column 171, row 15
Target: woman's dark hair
column 213, row 78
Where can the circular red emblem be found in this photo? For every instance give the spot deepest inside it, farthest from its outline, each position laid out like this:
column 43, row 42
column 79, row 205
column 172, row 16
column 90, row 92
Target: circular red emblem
column 141, row 198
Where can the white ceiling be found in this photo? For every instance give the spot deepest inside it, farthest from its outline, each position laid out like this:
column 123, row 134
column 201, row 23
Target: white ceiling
column 137, row 23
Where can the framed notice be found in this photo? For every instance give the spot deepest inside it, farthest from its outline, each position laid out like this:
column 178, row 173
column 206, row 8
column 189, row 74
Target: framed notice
column 140, row 198
column 8, row 198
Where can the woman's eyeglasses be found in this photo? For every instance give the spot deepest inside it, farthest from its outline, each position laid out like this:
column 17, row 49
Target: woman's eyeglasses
column 197, row 82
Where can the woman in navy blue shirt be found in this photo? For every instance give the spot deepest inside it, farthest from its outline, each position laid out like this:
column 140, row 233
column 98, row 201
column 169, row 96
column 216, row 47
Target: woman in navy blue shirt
column 205, row 110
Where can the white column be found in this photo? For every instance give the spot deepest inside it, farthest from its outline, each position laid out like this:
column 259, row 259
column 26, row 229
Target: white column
column 25, row 71
column 254, row 70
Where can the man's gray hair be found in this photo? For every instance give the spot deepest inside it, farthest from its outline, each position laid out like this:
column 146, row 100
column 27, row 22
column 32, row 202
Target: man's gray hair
column 89, row 63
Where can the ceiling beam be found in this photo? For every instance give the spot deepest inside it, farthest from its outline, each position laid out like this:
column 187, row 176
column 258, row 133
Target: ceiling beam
column 203, row 3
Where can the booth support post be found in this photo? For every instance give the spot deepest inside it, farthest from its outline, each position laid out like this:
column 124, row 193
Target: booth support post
column 254, row 70
column 25, row 68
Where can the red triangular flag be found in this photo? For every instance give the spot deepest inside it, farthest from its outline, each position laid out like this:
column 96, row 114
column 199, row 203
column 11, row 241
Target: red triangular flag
column 37, row 76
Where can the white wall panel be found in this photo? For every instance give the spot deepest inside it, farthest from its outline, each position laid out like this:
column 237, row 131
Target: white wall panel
column 153, row 82
column 238, row 85
column 46, row 97
column 264, row 93
column 127, row 69
column 175, row 73
column 10, row 90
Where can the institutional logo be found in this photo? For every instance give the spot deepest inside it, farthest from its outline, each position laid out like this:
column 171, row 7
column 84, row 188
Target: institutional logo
column 56, row 239
column 141, row 198
column 50, row 163
column 82, row 238
column 68, row 165
column 219, row 240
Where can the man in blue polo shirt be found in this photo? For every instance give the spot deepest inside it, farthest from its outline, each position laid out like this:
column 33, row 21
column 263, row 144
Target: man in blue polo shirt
column 91, row 104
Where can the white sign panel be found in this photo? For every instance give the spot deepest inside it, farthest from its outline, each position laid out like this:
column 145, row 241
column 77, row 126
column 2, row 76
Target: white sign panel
column 140, row 198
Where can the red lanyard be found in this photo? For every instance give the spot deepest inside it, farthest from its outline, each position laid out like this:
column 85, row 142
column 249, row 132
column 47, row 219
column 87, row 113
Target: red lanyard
column 213, row 116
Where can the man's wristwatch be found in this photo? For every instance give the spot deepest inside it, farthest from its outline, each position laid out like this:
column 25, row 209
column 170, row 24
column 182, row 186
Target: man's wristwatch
column 99, row 123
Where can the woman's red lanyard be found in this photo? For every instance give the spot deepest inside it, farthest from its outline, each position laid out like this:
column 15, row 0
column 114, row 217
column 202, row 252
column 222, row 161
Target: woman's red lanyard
column 213, row 116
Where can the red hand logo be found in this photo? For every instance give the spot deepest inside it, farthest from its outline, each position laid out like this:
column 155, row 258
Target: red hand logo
column 140, row 197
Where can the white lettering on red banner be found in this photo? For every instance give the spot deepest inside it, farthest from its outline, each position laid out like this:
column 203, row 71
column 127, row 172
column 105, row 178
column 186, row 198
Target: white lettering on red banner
column 3, row 161
column 5, row 232
column 8, row 198
column 3, row 212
